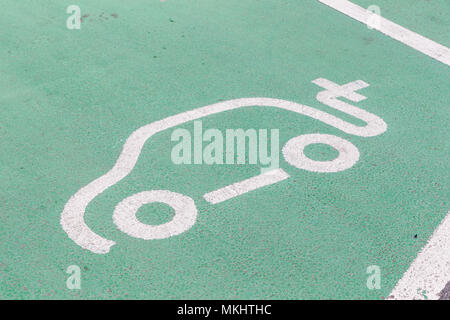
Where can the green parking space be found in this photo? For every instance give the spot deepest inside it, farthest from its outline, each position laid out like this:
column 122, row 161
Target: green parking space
column 428, row 18
column 69, row 99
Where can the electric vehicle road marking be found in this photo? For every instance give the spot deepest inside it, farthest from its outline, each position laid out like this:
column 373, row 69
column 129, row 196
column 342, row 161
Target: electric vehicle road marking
column 72, row 217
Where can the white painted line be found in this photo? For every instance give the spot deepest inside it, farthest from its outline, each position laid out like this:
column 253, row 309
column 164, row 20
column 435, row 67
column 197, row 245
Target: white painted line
column 241, row 187
column 393, row 30
column 430, row 271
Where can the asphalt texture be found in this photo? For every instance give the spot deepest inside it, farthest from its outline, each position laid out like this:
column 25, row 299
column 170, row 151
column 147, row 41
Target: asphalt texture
column 69, row 99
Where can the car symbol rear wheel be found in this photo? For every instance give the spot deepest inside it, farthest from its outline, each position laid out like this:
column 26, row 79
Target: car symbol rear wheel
column 185, row 215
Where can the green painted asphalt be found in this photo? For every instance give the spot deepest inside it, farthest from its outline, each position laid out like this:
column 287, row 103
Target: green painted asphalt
column 70, row 98
column 428, row 18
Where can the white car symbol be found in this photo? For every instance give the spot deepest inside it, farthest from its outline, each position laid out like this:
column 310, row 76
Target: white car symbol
column 72, row 217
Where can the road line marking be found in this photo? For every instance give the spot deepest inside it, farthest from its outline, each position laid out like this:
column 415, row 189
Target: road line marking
column 430, row 271
column 244, row 186
column 393, row 30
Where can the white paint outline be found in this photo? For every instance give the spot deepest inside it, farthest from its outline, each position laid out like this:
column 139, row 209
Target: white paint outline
column 124, row 216
column 294, row 155
column 416, row 41
column 244, row 186
column 72, row 216
column 430, row 271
